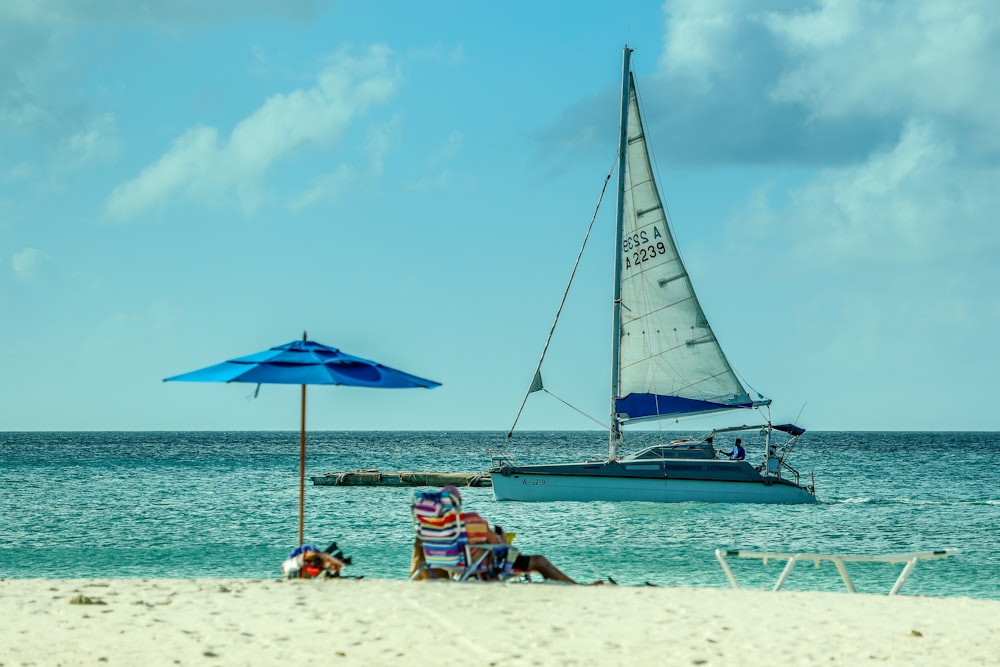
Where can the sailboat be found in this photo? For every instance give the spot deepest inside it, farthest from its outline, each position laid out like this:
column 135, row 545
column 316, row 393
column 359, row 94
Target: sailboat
column 666, row 364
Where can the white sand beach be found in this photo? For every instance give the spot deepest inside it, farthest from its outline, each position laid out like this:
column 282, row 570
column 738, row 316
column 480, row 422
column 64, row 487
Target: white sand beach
column 377, row 622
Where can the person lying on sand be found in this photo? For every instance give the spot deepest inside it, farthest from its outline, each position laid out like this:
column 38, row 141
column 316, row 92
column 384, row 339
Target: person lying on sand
column 308, row 562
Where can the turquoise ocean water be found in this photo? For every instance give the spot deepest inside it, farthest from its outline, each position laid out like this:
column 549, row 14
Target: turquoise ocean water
column 200, row 504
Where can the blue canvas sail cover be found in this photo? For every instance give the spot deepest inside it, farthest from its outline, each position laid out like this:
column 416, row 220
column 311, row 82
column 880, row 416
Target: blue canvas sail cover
column 637, row 407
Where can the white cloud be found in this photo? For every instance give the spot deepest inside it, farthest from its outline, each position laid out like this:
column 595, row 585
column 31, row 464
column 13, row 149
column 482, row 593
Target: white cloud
column 97, row 140
column 893, row 59
column 380, row 139
column 890, row 108
column 202, row 163
column 881, row 258
column 913, row 203
column 780, row 81
column 437, row 53
column 324, row 186
column 700, row 38
column 450, row 149
column 27, row 264
column 440, row 173
column 40, row 55
column 442, row 180
column 829, row 26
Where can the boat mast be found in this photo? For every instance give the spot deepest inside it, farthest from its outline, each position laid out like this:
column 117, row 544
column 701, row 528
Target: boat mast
column 619, row 216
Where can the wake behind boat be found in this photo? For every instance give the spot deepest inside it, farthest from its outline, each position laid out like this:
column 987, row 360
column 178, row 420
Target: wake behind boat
column 666, row 363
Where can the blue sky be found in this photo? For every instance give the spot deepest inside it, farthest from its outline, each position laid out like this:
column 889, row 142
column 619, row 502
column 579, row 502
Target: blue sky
column 186, row 182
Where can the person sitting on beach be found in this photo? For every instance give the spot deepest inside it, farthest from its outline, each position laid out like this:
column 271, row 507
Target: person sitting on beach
column 515, row 561
column 737, row 453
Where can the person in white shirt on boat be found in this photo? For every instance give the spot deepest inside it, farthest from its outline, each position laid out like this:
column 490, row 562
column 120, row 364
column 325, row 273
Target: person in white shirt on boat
column 737, row 453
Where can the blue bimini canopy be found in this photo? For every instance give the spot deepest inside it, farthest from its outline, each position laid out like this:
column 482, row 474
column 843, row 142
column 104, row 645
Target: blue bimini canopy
column 790, row 429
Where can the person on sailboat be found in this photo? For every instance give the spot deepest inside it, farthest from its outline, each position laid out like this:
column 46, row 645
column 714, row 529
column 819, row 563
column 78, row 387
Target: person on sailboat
column 737, row 453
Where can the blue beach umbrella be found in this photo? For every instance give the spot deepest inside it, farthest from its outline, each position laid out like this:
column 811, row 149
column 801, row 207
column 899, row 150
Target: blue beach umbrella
column 304, row 362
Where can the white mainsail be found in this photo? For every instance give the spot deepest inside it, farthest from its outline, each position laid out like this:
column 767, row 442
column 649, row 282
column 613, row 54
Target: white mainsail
column 669, row 362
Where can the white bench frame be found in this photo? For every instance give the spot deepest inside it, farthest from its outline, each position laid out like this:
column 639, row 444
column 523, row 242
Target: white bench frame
column 911, row 560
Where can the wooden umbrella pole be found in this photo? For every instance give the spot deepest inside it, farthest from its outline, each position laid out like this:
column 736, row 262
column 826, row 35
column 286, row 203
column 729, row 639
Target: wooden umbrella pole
column 302, row 465
column 302, row 470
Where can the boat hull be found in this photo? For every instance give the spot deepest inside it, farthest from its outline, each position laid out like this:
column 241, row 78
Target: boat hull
column 740, row 484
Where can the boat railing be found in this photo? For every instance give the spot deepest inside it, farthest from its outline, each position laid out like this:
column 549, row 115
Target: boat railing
column 500, row 459
column 795, row 473
column 839, row 560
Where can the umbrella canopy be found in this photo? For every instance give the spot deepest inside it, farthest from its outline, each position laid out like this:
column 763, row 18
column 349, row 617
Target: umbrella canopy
column 305, row 362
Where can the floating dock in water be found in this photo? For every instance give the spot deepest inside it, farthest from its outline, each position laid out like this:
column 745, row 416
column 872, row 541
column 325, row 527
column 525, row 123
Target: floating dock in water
column 379, row 478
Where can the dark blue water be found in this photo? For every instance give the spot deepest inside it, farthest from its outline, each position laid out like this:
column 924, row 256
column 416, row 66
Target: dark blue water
column 226, row 504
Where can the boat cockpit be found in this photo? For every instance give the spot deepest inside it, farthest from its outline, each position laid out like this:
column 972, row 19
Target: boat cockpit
column 684, row 450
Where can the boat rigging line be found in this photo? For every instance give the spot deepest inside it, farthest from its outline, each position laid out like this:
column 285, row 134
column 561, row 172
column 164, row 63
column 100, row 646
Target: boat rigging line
column 536, row 378
column 569, row 405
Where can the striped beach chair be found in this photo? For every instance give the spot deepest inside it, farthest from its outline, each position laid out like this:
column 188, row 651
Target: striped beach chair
column 444, row 538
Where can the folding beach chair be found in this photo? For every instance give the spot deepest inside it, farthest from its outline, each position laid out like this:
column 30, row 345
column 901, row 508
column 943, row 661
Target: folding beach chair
column 443, row 535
